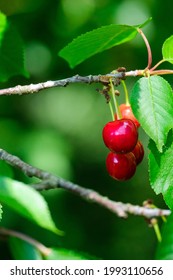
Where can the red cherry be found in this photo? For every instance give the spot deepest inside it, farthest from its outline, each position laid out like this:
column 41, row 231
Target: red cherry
column 121, row 166
column 138, row 152
column 120, row 136
column 126, row 112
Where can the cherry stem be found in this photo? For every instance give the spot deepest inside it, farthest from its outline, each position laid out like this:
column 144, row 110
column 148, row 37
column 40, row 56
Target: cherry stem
column 157, row 231
column 155, row 66
column 126, row 93
column 164, row 219
column 112, row 91
column 112, row 111
column 148, row 48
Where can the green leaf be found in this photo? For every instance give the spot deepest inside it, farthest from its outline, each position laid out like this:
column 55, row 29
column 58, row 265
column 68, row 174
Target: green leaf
column 3, row 25
column 11, row 51
column 1, row 212
column 161, row 169
column 96, row 41
column 64, row 254
column 152, row 104
column 22, row 250
column 27, row 202
column 165, row 248
column 167, row 49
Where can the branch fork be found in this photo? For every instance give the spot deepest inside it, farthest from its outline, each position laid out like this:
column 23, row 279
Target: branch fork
column 50, row 181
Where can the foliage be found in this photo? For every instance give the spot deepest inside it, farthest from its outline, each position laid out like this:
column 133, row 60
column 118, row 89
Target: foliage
column 152, row 104
column 161, row 170
column 164, row 250
column 22, row 250
column 64, row 254
column 97, row 41
column 167, row 50
column 11, row 55
column 27, row 202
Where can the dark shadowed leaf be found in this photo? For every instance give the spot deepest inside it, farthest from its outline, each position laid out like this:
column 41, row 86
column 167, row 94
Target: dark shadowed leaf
column 11, row 51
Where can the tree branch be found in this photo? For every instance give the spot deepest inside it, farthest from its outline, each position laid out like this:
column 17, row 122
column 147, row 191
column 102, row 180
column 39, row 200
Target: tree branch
column 50, row 181
column 34, row 88
column 103, row 79
column 39, row 246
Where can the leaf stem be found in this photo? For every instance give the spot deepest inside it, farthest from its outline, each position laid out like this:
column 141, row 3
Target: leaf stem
column 148, row 48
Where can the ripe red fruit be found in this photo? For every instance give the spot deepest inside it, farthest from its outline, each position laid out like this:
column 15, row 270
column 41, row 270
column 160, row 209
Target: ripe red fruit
column 120, row 136
column 138, row 152
column 126, row 113
column 121, row 166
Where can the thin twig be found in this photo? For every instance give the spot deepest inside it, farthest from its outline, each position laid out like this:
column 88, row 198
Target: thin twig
column 39, row 246
column 50, row 181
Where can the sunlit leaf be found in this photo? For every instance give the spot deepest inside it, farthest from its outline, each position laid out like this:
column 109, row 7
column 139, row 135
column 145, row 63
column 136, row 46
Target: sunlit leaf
column 152, row 104
column 27, row 202
column 167, row 49
column 96, row 41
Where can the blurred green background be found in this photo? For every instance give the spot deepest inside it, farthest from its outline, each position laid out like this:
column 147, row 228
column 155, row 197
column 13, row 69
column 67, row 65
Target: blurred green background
column 59, row 129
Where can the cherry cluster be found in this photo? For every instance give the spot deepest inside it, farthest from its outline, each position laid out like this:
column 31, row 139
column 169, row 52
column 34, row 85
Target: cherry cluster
column 121, row 138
